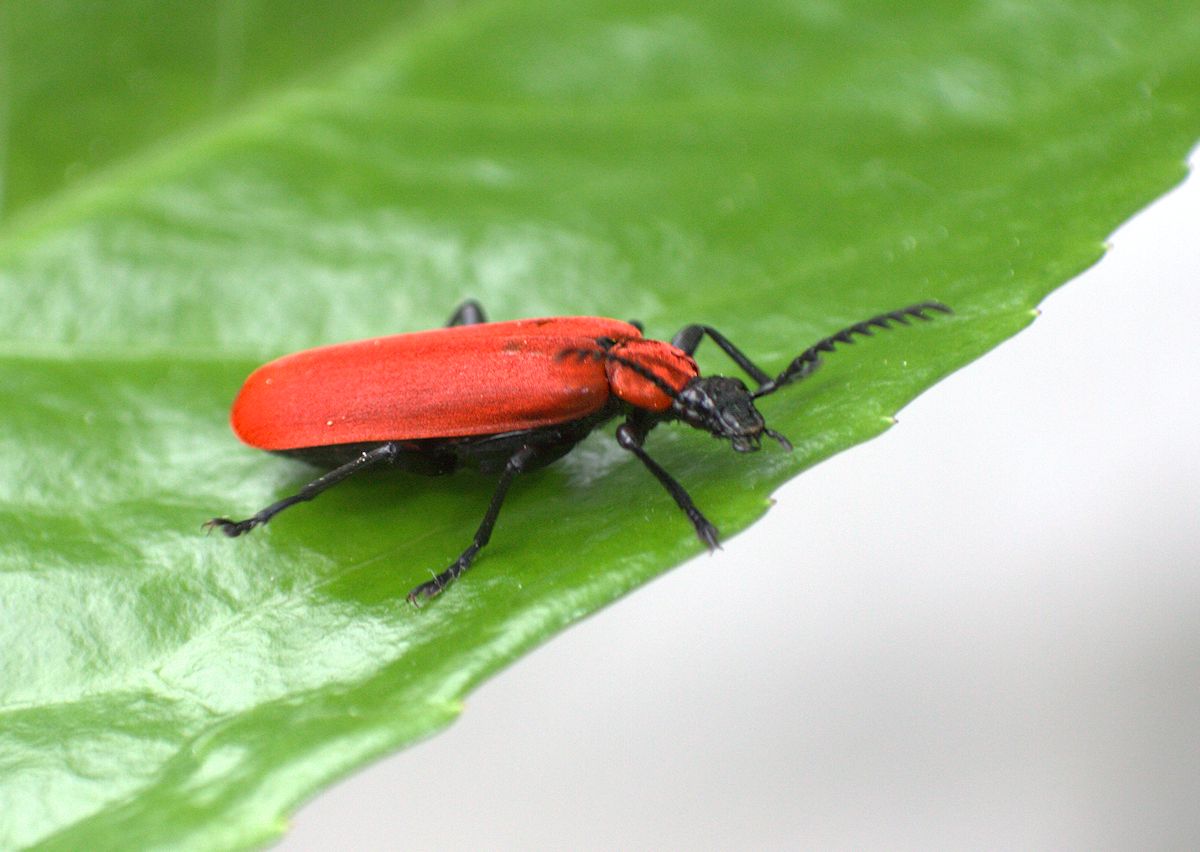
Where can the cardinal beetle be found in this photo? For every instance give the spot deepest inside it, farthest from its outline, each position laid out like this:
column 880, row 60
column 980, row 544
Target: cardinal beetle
column 504, row 397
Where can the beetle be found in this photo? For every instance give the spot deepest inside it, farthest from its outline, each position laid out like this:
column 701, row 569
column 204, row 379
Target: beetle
column 506, row 398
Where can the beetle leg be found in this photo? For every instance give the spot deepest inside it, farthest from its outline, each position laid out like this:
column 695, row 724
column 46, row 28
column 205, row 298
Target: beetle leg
column 384, row 452
column 631, row 438
column 806, row 363
column 516, row 464
column 689, row 338
column 468, row 313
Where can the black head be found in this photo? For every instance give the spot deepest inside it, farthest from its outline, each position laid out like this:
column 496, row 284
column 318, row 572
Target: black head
column 725, row 408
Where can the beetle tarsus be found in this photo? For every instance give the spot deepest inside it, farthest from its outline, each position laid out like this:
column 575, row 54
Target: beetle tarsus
column 433, row 588
column 233, row 528
column 707, row 533
column 517, row 463
column 427, row 590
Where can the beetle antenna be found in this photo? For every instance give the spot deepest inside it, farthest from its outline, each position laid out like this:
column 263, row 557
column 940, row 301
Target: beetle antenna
column 783, row 442
column 605, row 355
column 807, row 361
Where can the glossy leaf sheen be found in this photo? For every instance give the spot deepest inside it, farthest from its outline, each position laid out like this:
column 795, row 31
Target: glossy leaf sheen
column 188, row 192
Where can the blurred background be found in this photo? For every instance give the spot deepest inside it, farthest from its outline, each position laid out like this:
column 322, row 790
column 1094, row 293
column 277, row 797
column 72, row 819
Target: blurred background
column 979, row 630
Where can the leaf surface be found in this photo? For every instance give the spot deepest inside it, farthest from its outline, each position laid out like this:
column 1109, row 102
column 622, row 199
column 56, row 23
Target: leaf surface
column 190, row 193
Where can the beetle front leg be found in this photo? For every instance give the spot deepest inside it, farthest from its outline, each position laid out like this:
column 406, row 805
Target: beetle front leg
column 631, row 438
column 384, row 452
column 688, row 339
column 516, row 464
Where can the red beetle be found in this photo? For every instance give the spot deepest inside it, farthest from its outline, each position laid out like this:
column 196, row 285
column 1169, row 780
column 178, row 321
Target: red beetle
column 503, row 397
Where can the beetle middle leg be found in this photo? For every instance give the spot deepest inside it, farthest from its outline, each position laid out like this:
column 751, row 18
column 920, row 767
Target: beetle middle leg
column 469, row 312
column 384, row 452
column 517, row 463
column 631, row 438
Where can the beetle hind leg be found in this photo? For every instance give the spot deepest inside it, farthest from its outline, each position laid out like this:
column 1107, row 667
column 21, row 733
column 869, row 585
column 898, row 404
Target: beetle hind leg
column 231, row 528
column 517, row 463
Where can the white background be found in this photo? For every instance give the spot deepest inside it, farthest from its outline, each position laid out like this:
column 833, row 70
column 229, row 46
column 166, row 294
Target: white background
column 981, row 629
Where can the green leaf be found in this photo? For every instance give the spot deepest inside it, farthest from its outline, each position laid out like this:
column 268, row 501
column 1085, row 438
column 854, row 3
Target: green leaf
column 191, row 191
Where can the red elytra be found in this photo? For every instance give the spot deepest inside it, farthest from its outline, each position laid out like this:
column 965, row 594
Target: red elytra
column 505, row 397
column 459, row 381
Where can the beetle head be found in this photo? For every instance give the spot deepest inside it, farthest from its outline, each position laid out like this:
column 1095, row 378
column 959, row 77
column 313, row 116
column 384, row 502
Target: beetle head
column 724, row 407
